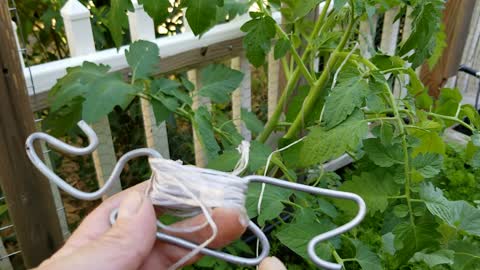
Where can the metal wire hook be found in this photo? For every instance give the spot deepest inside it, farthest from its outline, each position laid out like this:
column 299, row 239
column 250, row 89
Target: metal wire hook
column 93, row 143
column 362, row 209
column 78, row 151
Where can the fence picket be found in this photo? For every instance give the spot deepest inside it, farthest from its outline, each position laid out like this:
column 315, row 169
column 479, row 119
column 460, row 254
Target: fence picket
column 80, row 42
column 142, row 27
column 398, row 89
column 466, row 83
column 366, row 38
column 274, row 90
column 198, row 101
column 390, row 32
column 242, row 97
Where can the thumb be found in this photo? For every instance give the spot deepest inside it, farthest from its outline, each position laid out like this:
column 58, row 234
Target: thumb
column 126, row 245
column 272, row 263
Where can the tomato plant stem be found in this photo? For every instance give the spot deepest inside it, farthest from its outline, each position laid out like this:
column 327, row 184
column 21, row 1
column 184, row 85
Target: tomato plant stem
column 319, row 86
column 293, row 78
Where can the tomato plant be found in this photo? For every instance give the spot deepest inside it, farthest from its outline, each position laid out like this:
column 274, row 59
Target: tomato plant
column 345, row 105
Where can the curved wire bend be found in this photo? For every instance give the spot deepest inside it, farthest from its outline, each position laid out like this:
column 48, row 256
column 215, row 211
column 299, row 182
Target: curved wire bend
column 362, row 209
column 93, row 143
column 78, row 151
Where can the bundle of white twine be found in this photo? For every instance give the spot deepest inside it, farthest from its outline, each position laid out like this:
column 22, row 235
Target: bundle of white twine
column 187, row 191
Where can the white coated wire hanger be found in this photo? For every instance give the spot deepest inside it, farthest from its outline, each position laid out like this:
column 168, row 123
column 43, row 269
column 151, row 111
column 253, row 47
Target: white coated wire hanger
column 93, row 143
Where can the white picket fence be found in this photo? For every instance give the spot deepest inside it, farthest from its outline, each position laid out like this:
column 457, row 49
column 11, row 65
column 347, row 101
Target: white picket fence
column 222, row 38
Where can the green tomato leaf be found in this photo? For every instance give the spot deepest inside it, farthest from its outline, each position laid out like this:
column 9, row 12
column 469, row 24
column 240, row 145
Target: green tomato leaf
column 201, row 15
column 469, row 111
column 251, row 121
column 258, row 155
column 448, row 102
column 410, row 238
column 381, row 155
column 257, row 42
column 142, row 57
column 322, row 145
column 118, row 20
column 294, row 10
column 281, row 48
column 76, row 83
column 202, row 123
column 467, row 254
column 443, row 256
column 374, row 187
column 429, row 142
column 458, row 214
column 347, row 96
column 296, row 235
column 428, row 165
column 426, row 24
column 225, row 162
column 170, row 88
column 272, row 204
column 108, row 92
column 157, row 9
column 365, row 257
column 160, row 111
column 218, row 82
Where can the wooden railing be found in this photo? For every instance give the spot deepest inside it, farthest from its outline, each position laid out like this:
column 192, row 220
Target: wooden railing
column 185, row 52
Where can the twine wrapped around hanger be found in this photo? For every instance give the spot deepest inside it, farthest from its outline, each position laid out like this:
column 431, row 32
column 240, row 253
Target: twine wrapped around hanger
column 187, row 190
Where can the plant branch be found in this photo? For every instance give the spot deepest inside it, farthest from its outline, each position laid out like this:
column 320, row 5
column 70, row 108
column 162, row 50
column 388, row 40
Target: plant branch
column 293, row 79
column 319, row 86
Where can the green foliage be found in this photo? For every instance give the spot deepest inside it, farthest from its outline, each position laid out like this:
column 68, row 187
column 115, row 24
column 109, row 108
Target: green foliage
column 218, row 82
column 157, row 9
column 417, row 189
column 260, row 31
column 201, row 14
column 322, row 145
column 347, row 96
column 142, row 57
column 424, row 31
column 118, row 20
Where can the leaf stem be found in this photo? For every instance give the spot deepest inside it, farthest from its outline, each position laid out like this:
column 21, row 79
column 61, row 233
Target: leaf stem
column 450, row 118
column 296, row 56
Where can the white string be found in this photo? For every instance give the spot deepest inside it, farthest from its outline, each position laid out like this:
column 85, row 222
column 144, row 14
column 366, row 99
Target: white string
column 262, row 191
column 334, row 82
column 186, row 191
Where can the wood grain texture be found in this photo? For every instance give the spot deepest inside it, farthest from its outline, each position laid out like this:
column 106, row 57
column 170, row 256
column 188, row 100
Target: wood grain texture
column 456, row 18
column 28, row 195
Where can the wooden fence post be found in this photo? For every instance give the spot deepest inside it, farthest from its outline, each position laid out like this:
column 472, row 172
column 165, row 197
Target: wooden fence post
column 242, row 97
column 142, row 27
column 456, row 18
column 80, row 42
column 198, row 101
column 28, row 193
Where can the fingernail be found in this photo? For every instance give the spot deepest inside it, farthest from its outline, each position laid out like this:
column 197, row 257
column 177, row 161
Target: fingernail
column 243, row 218
column 271, row 263
column 130, row 205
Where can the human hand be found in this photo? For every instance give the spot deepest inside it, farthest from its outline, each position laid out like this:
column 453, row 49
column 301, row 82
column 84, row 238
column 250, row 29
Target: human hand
column 130, row 242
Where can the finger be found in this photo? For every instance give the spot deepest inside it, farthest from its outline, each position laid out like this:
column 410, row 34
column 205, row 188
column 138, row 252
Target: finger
column 272, row 263
column 230, row 227
column 97, row 222
column 124, row 246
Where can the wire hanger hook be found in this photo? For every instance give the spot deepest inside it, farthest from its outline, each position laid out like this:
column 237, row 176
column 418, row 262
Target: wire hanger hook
column 93, row 143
